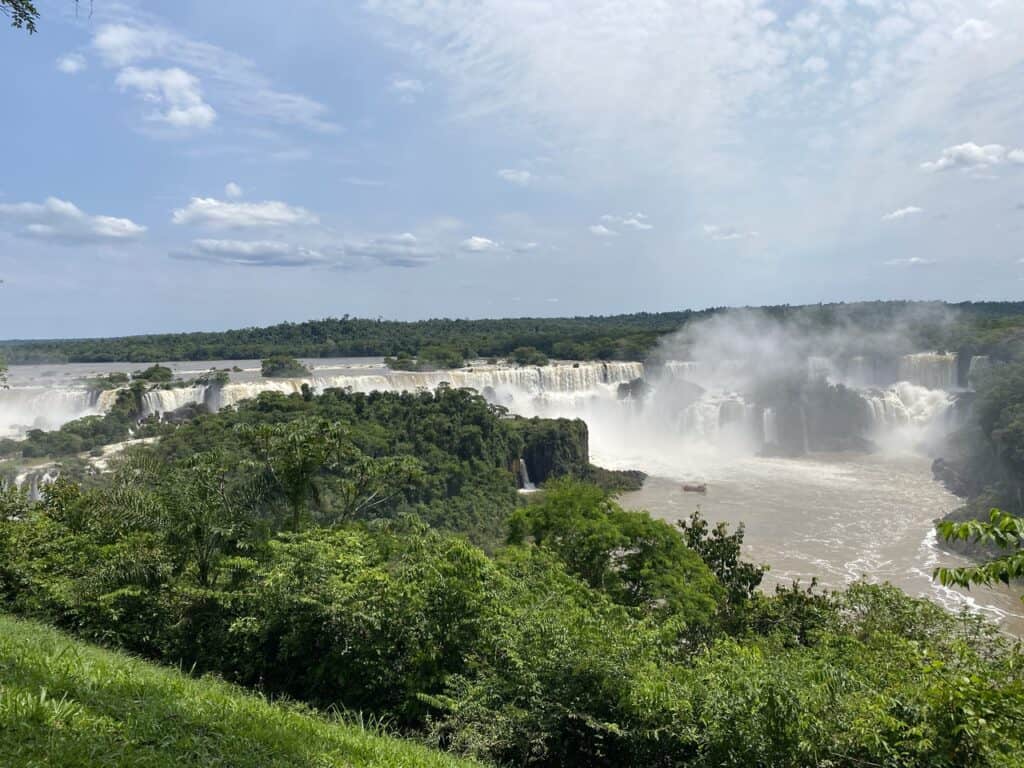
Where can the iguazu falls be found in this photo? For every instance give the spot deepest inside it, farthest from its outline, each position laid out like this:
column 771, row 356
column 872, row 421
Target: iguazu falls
column 504, row 383
column 810, row 452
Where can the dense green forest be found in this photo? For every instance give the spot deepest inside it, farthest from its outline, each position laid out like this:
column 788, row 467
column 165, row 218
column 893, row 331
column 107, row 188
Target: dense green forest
column 369, row 553
column 987, row 326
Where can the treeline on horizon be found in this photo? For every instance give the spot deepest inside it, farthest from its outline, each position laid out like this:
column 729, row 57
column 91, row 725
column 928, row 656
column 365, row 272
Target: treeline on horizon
column 977, row 326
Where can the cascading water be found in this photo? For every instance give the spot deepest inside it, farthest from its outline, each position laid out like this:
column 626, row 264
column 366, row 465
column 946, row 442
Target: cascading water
column 526, row 484
column 47, row 408
column 929, row 369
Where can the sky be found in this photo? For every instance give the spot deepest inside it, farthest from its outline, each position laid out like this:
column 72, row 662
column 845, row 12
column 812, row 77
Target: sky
column 202, row 166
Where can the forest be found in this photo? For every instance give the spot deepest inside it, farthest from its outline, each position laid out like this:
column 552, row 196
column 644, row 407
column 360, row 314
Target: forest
column 370, row 554
column 980, row 327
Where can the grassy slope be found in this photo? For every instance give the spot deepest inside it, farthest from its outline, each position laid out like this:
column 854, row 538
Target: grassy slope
column 66, row 703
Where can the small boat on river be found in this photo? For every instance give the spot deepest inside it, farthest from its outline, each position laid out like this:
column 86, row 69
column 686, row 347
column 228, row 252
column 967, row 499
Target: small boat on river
column 695, row 487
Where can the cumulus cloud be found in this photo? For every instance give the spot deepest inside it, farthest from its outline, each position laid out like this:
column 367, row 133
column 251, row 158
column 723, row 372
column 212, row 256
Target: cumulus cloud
column 232, row 191
column 219, row 214
column 720, row 233
column 71, row 63
column 234, row 80
column 407, row 89
column 64, row 222
column 174, row 93
column 515, row 176
column 251, row 253
column 404, row 250
column 974, row 157
column 912, row 261
column 602, row 231
column 902, row 213
column 477, row 244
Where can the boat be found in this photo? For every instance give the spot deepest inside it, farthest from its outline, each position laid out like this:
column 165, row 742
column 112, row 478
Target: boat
column 695, row 487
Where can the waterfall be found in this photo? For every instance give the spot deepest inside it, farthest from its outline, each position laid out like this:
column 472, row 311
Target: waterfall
column 46, row 408
column 524, row 478
column 929, row 369
column 979, row 365
column 160, row 401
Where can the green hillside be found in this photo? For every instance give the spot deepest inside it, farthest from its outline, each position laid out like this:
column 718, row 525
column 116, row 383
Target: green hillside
column 65, row 703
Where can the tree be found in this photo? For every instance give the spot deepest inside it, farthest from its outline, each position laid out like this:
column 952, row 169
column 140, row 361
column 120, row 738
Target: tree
column 282, row 366
column 293, row 456
column 364, row 483
column 528, row 356
column 22, row 13
column 1003, row 531
column 204, row 515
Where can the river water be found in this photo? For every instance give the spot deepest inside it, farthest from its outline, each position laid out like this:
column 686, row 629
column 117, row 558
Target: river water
column 836, row 518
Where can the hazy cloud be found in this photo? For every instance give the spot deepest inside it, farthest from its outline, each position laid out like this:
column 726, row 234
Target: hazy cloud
column 902, row 213
column 719, row 233
column 71, row 63
column 407, row 89
column 912, row 261
column 601, row 230
column 515, row 176
column 232, row 191
column 404, row 250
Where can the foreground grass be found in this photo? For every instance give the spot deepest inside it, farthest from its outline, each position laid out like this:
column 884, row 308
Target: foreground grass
column 66, row 703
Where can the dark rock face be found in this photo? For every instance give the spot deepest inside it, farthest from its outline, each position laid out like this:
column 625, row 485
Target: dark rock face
column 555, row 447
column 951, row 476
column 633, row 390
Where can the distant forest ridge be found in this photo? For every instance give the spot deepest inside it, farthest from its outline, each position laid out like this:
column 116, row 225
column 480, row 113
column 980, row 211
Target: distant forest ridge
column 976, row 325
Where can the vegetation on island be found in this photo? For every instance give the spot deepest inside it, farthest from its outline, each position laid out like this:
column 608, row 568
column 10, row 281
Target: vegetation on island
column 528, row 356
column 368, row 553
column 64, row 702
column 282, row 367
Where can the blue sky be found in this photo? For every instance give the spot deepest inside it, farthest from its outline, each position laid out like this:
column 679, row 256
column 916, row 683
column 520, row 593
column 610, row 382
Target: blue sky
column 198, row 165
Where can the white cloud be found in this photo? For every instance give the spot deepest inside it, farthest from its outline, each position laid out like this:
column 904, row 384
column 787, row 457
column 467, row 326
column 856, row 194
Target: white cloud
column 232, row 191
column 602, row 231
column 404, row 250
column 515, row 176
column 971, row 157
column 63, row 221
column 902, row 213
column 407, row 89
column 719, row 233
column 913, row 261
column 234, row 80
column 251, row 253
column 218, row 214
column 477, row 244
column 71, row 63
column 175, row 94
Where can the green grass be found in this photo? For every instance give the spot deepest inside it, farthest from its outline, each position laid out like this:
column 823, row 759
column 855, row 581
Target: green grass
column 66, row 703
